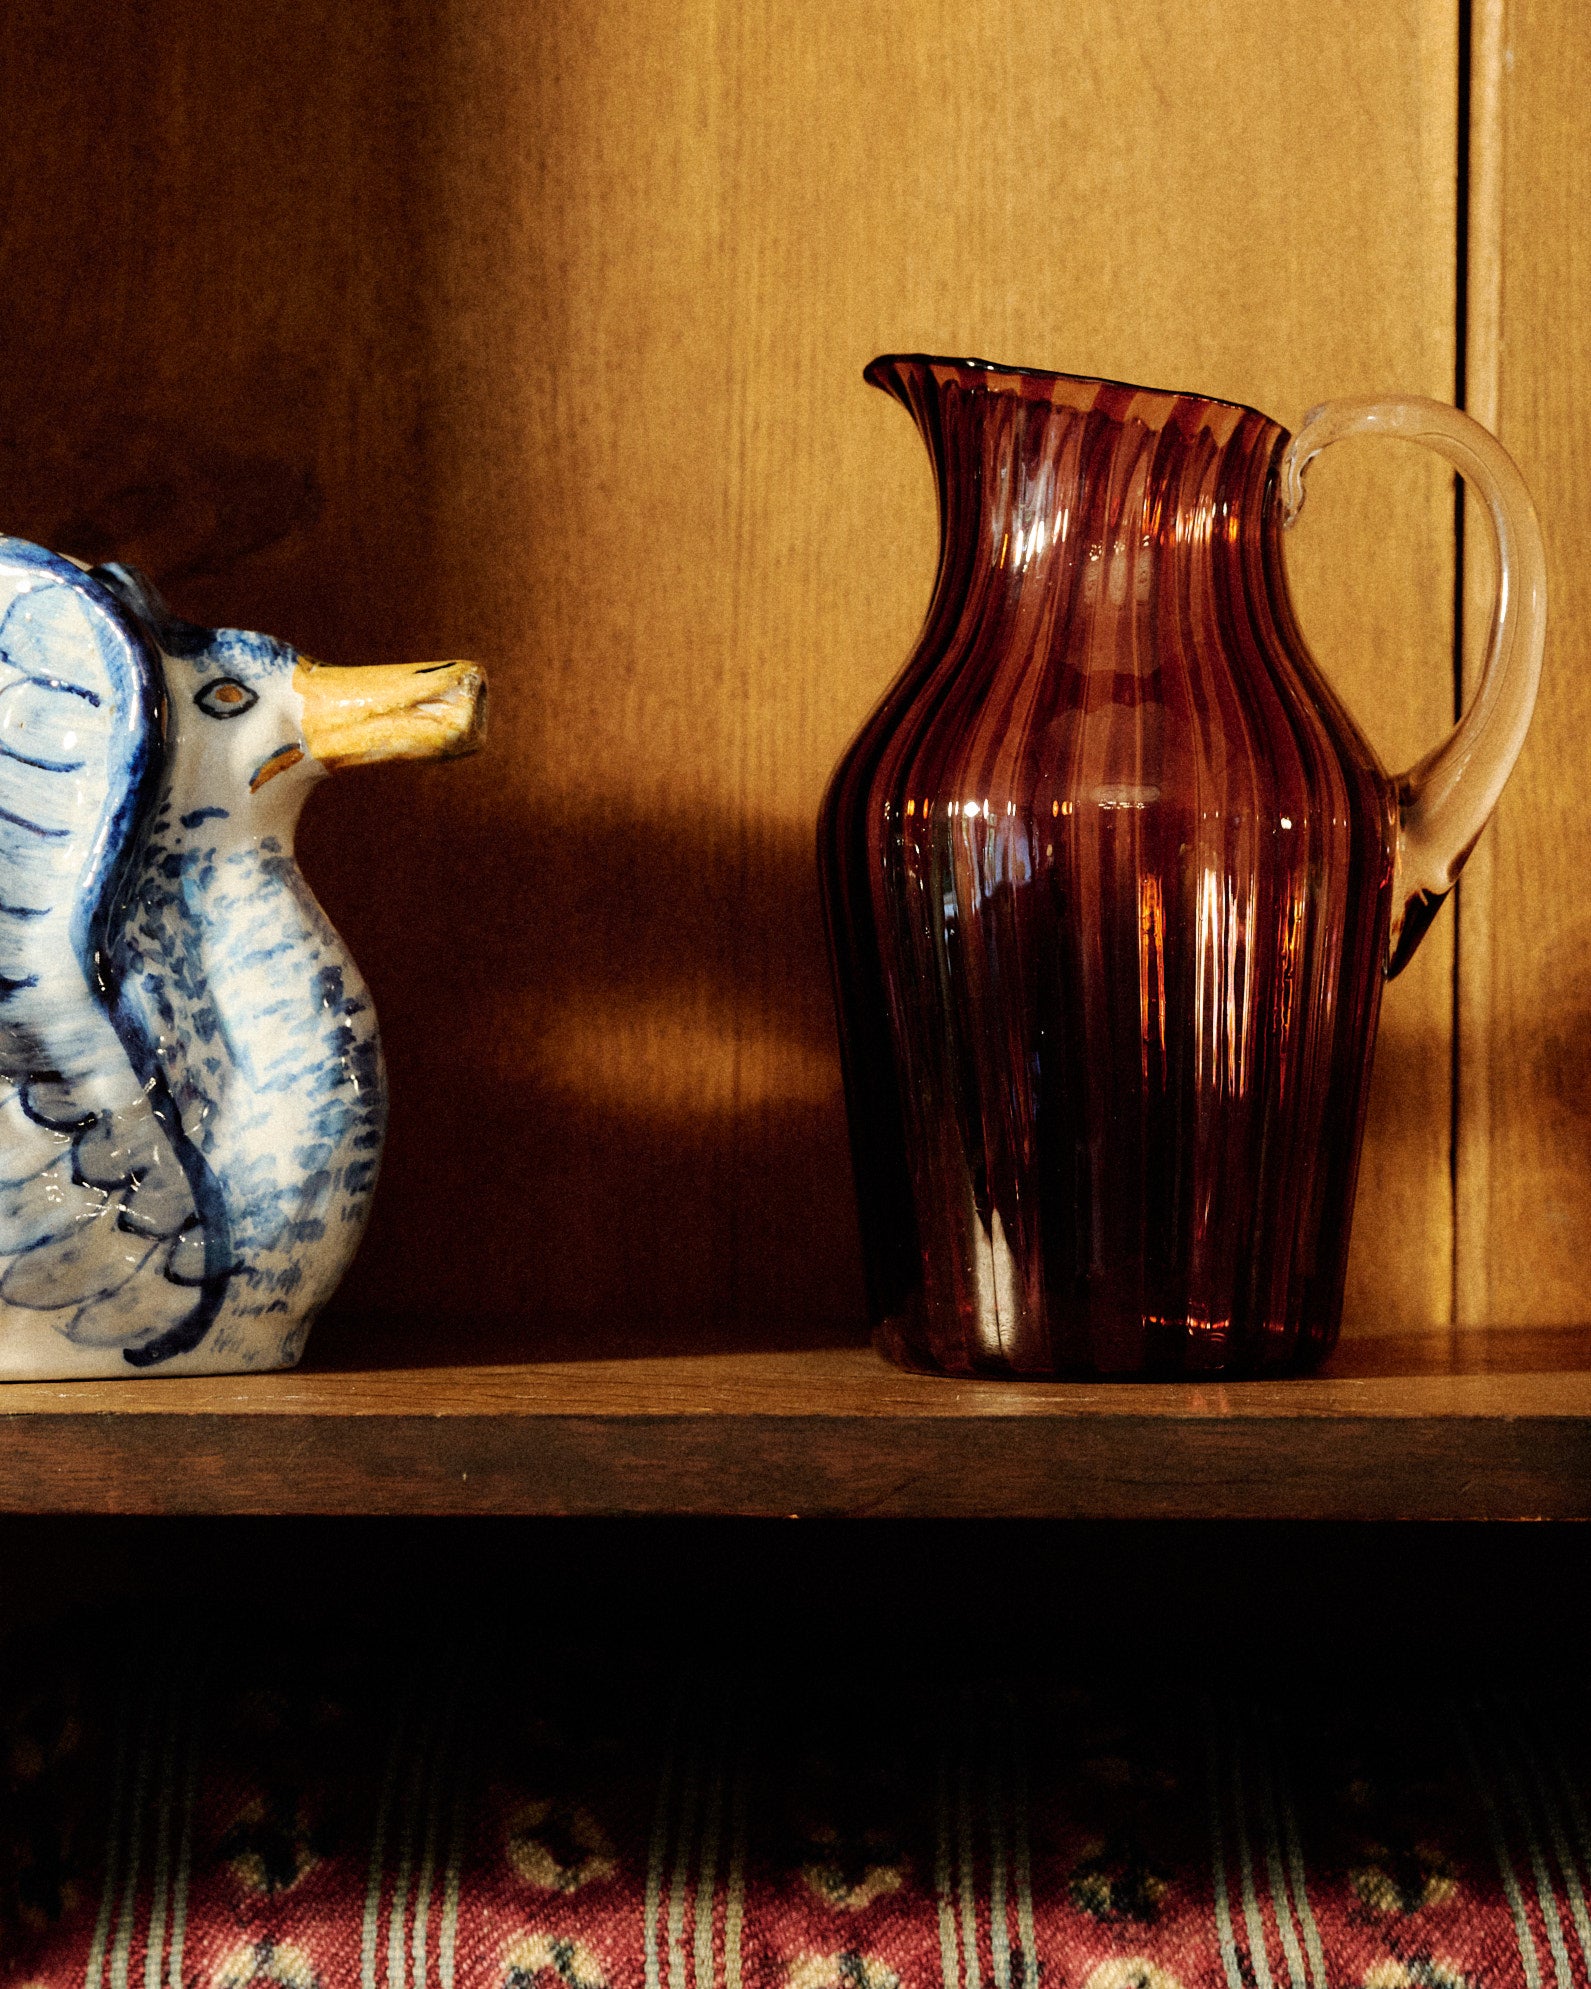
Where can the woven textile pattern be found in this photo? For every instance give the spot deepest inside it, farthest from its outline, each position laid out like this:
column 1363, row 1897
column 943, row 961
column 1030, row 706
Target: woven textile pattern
column 428, row 1827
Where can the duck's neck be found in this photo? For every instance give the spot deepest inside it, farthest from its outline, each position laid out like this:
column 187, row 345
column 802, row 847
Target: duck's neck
column 265, row 1035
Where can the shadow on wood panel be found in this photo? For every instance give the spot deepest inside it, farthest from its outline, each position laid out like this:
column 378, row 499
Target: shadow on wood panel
column 617, row 1122
column 204, row 231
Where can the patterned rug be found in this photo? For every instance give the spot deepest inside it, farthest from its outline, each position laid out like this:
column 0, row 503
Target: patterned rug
column 178, row 1821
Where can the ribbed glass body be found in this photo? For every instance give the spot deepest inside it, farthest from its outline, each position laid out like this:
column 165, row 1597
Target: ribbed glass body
column 1108, row 878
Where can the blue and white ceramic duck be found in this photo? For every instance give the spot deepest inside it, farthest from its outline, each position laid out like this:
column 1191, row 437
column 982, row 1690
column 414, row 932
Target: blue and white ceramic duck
column 192, row 1101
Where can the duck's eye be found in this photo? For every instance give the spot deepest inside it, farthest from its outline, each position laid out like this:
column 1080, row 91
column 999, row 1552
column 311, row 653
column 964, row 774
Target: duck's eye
column 226, row 698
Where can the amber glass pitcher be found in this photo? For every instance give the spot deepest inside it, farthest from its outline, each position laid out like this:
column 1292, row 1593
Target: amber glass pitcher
column 1113, row 880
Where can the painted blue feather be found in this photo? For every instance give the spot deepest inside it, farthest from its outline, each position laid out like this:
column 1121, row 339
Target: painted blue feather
column 108, row 1214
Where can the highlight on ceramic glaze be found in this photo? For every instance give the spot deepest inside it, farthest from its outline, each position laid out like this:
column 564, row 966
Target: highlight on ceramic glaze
column 192, row 1100
column 1113, row 881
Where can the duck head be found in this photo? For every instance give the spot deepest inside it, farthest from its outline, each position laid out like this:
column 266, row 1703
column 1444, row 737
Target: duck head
column 254, row 724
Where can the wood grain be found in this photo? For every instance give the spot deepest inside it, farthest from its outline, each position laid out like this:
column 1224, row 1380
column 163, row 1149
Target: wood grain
column 1525, row 1133
column 534, row 332
column 1401, row 1429
column 1472, row 906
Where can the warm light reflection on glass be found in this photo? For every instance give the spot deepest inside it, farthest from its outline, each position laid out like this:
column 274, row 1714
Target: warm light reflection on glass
column 1151, row 969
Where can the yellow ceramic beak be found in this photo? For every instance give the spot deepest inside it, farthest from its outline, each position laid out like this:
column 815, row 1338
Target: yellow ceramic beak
column 391, row 711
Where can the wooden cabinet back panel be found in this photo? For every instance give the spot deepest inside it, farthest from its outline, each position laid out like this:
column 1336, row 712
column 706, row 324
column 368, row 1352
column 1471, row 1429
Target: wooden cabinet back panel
column 535, row 333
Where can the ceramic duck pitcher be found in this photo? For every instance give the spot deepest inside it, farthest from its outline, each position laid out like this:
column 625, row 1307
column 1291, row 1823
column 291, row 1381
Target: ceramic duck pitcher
column 192, row 1100
column 1113, row 881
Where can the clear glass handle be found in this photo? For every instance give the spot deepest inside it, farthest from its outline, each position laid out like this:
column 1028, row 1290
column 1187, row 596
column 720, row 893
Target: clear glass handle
column 1447, row 798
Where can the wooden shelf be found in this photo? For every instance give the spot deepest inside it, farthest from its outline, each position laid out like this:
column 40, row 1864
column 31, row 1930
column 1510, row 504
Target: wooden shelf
column 1485, row 1425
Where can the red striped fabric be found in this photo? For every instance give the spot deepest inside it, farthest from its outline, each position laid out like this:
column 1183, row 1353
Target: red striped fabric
column 443, row 1822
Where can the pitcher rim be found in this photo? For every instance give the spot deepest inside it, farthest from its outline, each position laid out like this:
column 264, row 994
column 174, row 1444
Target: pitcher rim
column 974, row 365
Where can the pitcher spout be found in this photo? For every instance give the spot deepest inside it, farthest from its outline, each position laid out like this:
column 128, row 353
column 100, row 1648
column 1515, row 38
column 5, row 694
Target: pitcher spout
column 1076, row 504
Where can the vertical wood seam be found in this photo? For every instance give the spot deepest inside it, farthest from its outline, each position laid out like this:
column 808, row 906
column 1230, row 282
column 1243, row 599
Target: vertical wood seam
column 1482, row 334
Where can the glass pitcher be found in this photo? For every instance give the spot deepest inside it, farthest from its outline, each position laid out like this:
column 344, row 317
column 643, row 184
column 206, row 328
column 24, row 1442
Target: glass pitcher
column 1113, row 880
